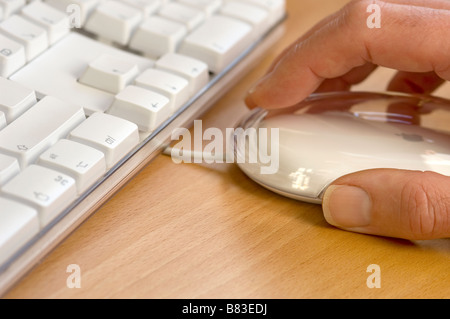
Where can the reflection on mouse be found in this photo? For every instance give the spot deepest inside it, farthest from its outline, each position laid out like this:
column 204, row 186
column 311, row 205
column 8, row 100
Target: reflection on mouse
column 332, row 135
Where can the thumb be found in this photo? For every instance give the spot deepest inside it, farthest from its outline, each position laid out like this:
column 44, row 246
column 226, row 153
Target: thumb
column 393, row 203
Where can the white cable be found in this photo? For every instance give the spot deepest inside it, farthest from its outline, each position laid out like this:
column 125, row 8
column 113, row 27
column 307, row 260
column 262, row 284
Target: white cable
column 196, row 156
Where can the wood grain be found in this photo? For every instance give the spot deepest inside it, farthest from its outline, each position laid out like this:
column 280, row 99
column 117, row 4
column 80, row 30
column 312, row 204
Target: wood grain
column 207, row 231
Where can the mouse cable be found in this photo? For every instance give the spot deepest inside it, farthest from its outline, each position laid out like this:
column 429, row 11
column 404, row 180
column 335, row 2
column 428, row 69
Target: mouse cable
column 196, row 156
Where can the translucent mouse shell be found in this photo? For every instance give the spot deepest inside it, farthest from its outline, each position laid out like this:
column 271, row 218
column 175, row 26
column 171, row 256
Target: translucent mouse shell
column 329, row 135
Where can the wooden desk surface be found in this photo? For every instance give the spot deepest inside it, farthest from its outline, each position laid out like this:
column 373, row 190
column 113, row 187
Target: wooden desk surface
column 207, row 231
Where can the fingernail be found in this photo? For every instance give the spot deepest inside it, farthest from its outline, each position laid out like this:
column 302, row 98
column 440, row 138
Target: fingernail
column 347, row 206
column 249, row 100
column 250, row 103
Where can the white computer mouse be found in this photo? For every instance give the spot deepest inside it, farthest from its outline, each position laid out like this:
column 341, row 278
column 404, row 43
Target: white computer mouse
column 331, row 135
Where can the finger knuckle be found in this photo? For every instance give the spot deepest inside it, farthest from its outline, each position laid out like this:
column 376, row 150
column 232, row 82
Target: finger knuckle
column 356, row 9
column 354, row 16
column 425, row 208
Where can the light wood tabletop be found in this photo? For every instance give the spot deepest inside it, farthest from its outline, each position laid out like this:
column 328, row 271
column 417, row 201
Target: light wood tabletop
column 208, row 231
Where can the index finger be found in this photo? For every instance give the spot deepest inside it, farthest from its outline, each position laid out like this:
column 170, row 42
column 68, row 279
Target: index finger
column 411, row 39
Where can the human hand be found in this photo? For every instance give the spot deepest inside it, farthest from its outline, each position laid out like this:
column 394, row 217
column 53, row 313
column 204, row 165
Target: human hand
column 341, row 51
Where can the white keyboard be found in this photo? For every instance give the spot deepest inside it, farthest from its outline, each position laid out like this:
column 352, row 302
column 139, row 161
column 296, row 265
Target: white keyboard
column 90, row 91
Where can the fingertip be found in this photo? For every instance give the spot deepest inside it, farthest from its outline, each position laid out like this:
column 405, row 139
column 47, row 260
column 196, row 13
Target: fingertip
column 347, row 207
column 252, row 100
column 389, row 202
column 251, row 104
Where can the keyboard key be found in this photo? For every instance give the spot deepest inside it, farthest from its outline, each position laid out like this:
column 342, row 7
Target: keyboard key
column 9, row 167
column 109, row 73
column 12, row 56
column 218, row 42
column 157, row 36
column 18, row 224
column 85, row 164
column 46, row 190
column 254, row 15
column 73, row 8
column 115, row 21
column 64, row 63
column 147, row 7
column 39, row 128
column 189, row 16
column 195, row 71
column 10, row 7
column 2, row 120
column 33, row 37
column 145, row 108
column 53, row 21
column 170, row 85
column 113, row 136
column 209, row 7
column 276, row 8
column 15, row 99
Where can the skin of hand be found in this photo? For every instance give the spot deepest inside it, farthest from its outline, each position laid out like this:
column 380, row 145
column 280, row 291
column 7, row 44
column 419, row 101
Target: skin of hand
column 341, row 51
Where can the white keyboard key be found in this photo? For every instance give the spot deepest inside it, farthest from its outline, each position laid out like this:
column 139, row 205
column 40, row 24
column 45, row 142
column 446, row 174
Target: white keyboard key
column 33, row 37
column 189, row 16
column 114, row 136
column 64, row 63
column 256, row 16
column 85, row 164
column 276, row 8
column 18, row 224
column 10, row 7
column 195, row 71
column 12, row 56
column 209, row 7
column 53, row 21
column 109, row 73
column 115, row 21
column 9, row 167
column 157, row 36
column 46, row 190
column 145, row 108
column 147, row 7
column 15, row 99
column 2, row 120
column 170, row 85
column 218, row 42
column 39, row 128
column 76, row 9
